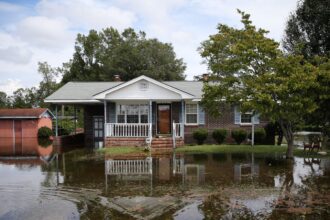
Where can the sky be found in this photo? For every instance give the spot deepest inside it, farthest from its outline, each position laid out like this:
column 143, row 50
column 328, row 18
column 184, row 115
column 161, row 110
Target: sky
column 37, row 31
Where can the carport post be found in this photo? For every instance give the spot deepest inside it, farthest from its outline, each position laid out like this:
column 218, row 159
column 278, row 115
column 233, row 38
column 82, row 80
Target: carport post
column 56, row 123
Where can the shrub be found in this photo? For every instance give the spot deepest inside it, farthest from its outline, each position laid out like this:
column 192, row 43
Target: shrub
column 200, row 135
column 259, row 135
column 44, row 142
column 239, row 135
column 45, row 132
column 219, row 135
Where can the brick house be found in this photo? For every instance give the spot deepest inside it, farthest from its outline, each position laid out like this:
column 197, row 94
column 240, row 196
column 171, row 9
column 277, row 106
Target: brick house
column 144, row 110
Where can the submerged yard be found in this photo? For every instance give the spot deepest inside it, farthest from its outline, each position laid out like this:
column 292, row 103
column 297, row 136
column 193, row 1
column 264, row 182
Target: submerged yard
column 191, row 182
column 217, row 149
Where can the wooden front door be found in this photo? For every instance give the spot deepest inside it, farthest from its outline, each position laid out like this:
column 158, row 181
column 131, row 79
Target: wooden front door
column 163, row 118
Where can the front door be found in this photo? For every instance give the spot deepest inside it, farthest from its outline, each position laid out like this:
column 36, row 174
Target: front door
column 163, row 118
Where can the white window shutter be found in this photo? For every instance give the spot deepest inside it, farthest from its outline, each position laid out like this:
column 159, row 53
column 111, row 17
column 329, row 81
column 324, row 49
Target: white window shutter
column 201, row 115
column 237, row 115
column 256, row 118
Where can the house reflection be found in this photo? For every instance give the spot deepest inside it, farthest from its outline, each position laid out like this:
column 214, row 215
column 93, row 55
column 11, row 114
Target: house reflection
column 164, row 169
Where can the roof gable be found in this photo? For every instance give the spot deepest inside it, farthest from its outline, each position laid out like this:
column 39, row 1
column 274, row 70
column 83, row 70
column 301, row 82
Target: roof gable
column 130, row 90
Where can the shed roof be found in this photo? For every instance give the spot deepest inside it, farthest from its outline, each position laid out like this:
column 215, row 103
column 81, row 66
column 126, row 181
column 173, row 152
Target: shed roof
column 24, row 113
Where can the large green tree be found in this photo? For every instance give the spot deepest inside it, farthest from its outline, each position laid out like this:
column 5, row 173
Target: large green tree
column 100, row 55
column 307, row 29
column 249, row 69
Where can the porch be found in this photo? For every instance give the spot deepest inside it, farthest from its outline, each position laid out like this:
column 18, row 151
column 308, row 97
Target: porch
column 151, row 123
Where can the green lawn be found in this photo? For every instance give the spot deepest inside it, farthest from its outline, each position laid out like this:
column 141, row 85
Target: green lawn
column 215, row 149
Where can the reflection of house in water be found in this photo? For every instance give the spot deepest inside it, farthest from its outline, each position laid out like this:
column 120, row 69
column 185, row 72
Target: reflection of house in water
column 246, row 170
column 160, row 169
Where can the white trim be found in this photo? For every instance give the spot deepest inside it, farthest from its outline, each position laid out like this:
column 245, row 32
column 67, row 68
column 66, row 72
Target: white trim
column 72, row 101
column 183, row 94
column 197, row 113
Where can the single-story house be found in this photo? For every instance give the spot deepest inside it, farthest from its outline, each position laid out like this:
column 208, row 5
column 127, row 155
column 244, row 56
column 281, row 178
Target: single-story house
column 24, row 123
column 144, row 110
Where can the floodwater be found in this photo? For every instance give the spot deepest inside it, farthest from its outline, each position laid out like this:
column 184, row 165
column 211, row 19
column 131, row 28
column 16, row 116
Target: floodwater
column 40, row 182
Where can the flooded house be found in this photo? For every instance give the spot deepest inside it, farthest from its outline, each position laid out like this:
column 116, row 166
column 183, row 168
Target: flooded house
column 145, row 111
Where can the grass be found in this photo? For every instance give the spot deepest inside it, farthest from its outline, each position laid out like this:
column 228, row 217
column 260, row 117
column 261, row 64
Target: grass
column 216, row 149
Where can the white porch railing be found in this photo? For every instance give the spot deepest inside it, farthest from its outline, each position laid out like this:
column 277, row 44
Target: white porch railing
column 128, row 130
column 116, row 167
column 178, row 129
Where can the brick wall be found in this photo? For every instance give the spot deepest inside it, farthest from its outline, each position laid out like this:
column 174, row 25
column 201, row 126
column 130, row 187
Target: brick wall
column 124, row 141
column 224, row 121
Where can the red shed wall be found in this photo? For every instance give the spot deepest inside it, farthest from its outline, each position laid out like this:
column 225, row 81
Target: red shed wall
column 6, row 128
column 23, row 128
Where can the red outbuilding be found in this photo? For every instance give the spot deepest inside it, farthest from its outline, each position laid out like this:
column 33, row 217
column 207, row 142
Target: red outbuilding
column 24, row 123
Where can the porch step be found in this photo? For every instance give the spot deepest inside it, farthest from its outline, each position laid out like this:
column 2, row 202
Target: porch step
column 165, row 142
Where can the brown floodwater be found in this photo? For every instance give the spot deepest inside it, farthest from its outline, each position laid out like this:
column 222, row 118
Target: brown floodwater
column 40, row 182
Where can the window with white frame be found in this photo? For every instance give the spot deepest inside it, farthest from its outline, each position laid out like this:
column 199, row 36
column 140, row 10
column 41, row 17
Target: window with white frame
column 191, row 113
column 134, row 113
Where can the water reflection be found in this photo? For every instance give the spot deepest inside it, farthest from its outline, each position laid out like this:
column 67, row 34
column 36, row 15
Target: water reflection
column 169, row 186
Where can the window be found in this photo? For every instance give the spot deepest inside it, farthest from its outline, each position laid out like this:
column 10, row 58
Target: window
column 132, row 113
column 246, row 117
column 191, row 113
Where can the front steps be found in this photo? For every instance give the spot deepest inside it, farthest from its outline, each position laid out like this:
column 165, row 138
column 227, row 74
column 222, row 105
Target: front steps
column 165, row 142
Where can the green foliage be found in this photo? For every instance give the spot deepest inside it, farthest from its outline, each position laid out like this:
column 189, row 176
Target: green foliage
column 200, row 135
column 219, row 135
column 239, row 135
column 259, row 136
column 4, row 102
column 44, row 142
column 45, row 132
column 101, row 55
column 249, row 69
column 307, row 30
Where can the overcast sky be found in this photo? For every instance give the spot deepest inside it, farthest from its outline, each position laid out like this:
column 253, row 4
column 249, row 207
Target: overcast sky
column 32, row 31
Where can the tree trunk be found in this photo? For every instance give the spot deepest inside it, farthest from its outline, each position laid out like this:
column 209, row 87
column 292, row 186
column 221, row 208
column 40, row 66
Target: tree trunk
column 288, row 134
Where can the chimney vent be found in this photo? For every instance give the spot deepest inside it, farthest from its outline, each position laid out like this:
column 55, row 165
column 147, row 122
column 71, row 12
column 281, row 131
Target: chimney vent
column 116, row 78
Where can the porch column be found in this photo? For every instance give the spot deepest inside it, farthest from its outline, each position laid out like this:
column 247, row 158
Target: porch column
column 105, row 120
column 183, row 114
column 56, row 122
column 150, row 118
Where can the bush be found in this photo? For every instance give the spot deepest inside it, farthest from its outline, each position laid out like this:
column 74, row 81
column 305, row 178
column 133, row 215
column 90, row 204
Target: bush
column 200, row 135
column 239, row 135
column 219, row 135
column 45, row 132
column 44, row 142
column 259, row 135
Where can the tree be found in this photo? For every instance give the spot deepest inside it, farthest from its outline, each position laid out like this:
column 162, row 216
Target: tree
column 25, row 98
column 4, row 102
column 307, row 34
column 101, row 55
column 248, row 69
column 48, row 84
column 307, row 30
